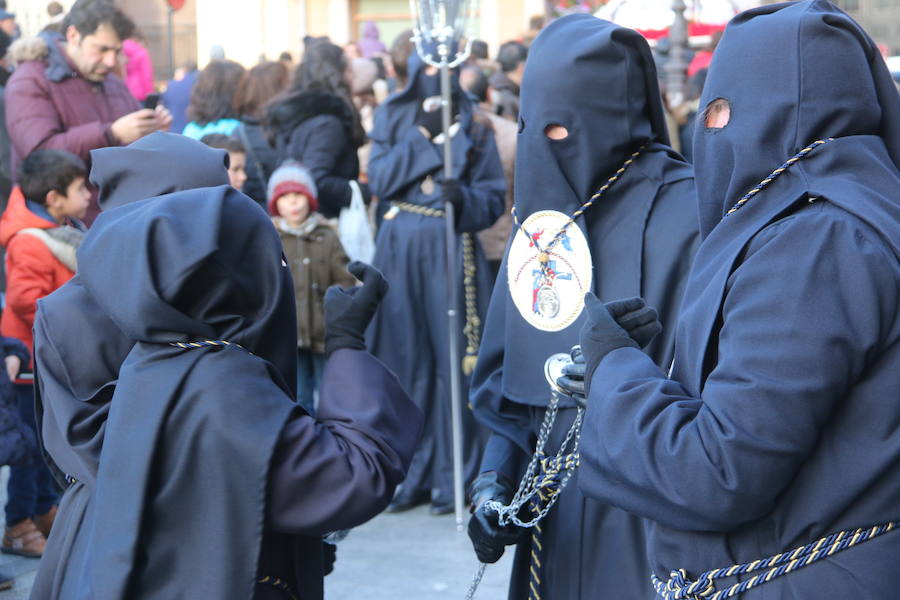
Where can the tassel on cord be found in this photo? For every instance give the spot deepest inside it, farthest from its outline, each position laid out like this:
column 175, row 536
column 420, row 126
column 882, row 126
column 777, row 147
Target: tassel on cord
column 468, row 363
column 472, row 328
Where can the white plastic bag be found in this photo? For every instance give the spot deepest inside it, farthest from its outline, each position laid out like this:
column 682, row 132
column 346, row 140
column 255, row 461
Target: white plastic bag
column 353, row 228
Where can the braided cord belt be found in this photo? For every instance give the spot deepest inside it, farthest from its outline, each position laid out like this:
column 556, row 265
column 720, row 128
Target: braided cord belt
column 679, row 588
column 472, row 327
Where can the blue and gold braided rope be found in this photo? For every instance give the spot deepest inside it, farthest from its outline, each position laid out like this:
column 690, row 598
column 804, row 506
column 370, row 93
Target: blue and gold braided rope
column 678, row 587
column 593, row 199
column 278, row 584
column 548, row 484
column 204, row 344
column 472, row 327
column 537, row 548
column 775, row 174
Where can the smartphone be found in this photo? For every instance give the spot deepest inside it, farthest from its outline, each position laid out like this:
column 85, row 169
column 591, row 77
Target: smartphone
column 151, row 101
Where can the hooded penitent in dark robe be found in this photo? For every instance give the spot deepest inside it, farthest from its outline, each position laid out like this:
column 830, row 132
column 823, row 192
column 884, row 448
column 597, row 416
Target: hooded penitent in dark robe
column 410, row 330
column 122, row 176
column 779, row 423
column 195, row 474
column 598, row 81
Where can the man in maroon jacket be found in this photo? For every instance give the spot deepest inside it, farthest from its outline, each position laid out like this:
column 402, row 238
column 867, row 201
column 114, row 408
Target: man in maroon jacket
column 64, row 94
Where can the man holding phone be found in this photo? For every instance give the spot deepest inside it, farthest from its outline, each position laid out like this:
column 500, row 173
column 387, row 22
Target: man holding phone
column 64, row 94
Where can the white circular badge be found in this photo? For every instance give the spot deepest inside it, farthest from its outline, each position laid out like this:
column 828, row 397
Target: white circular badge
column 549, row 288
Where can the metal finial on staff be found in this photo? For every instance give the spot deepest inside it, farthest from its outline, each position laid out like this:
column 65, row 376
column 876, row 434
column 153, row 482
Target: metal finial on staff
column 441, row 25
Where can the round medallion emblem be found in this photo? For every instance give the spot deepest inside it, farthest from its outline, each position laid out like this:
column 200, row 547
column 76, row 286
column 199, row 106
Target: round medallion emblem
column 548, row 285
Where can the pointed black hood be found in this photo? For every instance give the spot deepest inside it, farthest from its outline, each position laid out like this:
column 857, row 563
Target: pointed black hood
column 793, row 73
column 598, row 80
column 198, row 264
column 158, row 164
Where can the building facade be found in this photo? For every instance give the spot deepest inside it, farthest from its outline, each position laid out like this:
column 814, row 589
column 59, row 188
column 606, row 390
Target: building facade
column 255, row 29
column 250, row 30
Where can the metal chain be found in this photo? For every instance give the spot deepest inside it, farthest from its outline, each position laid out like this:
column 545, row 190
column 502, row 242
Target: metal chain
column 535, row 478
column 476, row 581
column 530, row 485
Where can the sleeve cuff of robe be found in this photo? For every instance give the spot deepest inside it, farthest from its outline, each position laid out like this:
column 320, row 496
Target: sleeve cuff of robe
column 340, row 469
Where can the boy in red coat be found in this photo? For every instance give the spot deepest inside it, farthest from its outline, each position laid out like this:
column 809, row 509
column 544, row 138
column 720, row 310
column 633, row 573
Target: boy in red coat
column 41, row 231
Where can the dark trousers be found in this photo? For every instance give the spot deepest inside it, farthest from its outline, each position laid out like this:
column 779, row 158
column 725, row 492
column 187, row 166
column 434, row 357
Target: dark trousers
column 31, row 490
column 310, row 366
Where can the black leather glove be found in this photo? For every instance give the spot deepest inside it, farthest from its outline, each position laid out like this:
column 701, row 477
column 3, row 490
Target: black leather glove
column 349, row 310
column 635, row 317
column 488, row 538
column 599, row 336
column 432, row 121
column 451, row 191
column 572, row 380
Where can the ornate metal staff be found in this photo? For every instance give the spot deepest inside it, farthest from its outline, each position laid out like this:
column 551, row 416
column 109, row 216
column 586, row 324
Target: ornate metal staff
column 440, row 25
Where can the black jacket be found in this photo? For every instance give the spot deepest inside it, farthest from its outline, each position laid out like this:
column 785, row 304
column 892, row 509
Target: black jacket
column 315, row 128
column 262, row 158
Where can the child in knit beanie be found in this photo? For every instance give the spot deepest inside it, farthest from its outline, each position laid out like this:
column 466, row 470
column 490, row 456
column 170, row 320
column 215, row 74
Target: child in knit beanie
column 317, row 261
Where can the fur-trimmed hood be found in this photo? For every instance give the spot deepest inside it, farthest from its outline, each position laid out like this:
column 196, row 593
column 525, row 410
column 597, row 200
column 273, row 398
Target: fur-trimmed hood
column 45, row 48
column 295, row 107
column 28, row 48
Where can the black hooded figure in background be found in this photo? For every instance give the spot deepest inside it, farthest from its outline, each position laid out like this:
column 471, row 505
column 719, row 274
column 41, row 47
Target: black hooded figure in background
column 590, row 107
column 191, row 471
column 767, row 460
column 410, row 331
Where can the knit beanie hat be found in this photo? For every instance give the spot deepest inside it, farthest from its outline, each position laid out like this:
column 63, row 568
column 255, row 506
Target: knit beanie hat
column 289, row 177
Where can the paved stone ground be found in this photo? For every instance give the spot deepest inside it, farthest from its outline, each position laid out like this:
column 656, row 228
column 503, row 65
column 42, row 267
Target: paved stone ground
column 410, row 556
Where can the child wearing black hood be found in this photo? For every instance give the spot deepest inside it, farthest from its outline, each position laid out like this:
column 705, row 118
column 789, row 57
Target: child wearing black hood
column 169, row 402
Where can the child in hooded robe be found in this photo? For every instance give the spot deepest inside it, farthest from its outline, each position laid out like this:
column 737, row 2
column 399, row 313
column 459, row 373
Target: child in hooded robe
column 317, row 261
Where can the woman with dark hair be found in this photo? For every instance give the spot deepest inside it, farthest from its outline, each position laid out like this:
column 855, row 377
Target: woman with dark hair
column 257, row 87
column 316, row 124
column 210, row 110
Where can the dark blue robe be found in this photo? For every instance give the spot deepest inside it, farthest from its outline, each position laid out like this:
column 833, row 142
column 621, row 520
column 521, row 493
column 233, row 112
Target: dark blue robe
column 410, row 331
column 597, row 80
column 183, row 487
column 778, row 424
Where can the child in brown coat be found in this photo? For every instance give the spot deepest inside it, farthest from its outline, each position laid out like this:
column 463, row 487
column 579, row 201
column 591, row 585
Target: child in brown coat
column 317, row 261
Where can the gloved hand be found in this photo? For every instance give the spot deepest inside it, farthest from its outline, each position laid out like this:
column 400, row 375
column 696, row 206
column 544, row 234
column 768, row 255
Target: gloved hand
column 488, row 538
column 451, row 191
column 599, row 336
column 572, row 380
column 349, row 310
column 430, row 120
column 635, row 317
